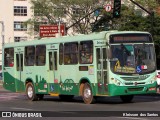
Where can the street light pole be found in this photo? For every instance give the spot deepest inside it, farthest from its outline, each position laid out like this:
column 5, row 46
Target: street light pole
column 2, row 33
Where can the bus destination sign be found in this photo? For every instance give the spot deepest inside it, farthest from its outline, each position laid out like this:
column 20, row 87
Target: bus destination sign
column 129, row 38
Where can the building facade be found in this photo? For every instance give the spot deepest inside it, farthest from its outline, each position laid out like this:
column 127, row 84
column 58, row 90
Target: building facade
column 13, row 14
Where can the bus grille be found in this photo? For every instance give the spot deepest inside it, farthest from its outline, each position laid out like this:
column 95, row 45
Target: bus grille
column 135, row 89
column 138, row 78
column 131, row 83
column 130, row 78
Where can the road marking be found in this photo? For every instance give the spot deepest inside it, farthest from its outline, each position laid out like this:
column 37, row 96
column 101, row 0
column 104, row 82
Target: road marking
column 15, row 108
column 133, row 118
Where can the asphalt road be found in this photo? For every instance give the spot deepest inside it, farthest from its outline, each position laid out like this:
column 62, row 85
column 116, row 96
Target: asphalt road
column 105, row 108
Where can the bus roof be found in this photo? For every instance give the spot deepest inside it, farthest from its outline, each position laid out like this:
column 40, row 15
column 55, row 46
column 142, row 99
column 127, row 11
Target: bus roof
column 79, row 37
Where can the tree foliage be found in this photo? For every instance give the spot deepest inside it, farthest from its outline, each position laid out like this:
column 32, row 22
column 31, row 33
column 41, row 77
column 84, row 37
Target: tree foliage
column 50, row 11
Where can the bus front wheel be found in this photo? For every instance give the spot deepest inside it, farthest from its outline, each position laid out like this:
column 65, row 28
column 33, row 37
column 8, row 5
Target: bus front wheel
column 87, row 94
column 126, row 98
column 30, row 92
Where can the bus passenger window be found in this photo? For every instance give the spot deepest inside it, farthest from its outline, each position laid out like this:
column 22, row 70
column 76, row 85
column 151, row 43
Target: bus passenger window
column 61, row 54
column 55, row 60
column 9, row 57
column 40, row 55
column 70, row 53
column 29, row 55
column 86, row 52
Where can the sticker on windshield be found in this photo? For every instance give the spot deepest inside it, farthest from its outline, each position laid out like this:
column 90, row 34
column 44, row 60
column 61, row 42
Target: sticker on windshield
column 138, row 69
column 144, row 67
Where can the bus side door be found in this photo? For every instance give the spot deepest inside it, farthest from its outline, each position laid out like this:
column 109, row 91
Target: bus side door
column 53, row 67
column 101, row 61
column 19, row 52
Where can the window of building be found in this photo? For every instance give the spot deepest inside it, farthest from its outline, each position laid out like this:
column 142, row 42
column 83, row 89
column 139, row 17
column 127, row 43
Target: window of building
column 71, row 53
column 78, row 11
column 40, row 55
column 86, row 52
column 29, row 55
column 60, row 10
column 20, row 26
column 19, row 39
column 20, row 10
column 9, row 57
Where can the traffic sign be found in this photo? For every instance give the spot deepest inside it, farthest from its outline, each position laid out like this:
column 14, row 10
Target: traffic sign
column 108, row 7
column 51, row 30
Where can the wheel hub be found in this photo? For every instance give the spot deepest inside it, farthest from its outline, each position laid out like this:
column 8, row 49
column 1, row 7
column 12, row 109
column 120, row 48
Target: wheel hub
column 30, row 92
column 87, row 93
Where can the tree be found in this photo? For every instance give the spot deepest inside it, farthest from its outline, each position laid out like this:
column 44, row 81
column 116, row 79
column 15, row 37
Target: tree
column 49, row 12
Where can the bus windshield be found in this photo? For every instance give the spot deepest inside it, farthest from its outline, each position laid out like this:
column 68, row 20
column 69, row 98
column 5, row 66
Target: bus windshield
column 132, row 58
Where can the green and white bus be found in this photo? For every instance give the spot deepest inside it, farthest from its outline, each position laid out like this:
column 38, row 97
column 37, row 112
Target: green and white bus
column 109, row 63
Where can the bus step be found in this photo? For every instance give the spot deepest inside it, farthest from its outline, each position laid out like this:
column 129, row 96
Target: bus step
column 54, row 94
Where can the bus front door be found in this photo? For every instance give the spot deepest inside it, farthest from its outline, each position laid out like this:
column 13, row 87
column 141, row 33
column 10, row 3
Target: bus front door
column 52, row 57
column 102, row 80
column 19, row 69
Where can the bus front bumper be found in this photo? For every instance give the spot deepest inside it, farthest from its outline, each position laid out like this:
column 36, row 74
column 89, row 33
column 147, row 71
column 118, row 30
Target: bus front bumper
column 132, row 90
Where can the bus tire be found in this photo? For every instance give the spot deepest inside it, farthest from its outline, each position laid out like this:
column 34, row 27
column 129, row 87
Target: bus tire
column 87, row 94
column 126, row 98
column 30, row 92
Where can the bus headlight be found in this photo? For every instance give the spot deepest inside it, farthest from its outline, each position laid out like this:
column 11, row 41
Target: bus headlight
column 153, row 79
column 117, row 82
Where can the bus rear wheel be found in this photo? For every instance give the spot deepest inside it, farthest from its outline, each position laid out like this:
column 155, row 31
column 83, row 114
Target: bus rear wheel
column 30, row 92
column 87, row 94
column 126, row 98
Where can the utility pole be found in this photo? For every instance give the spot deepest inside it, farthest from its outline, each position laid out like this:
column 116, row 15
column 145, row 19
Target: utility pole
column 151, row 13
column 2, row 33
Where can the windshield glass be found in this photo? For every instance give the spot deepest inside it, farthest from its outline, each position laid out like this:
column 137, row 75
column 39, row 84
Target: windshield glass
column 133, row 59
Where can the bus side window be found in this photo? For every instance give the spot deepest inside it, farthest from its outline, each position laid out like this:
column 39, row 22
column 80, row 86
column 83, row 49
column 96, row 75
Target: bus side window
column 86, row 52
column 40, row 55
column 61, row 54
column 29, row 55
column 55, row 60
column 71, row 53
column 9, row 57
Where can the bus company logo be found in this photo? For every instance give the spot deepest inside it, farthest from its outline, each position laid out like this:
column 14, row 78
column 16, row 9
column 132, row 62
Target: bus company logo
column 135, row 83
column 6, row 114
